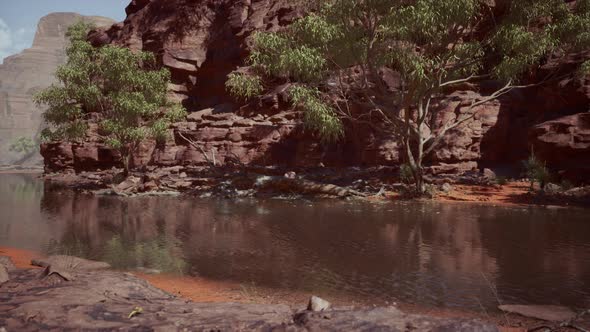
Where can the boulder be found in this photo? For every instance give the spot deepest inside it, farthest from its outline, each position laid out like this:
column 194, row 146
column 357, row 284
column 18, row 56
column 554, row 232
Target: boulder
column 318, row 304
column 446, row 187
column 552, row 188
column 130, row 184
column 7, row 263
column 488, row 174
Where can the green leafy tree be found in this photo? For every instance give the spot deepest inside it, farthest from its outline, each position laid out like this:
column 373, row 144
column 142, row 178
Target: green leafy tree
column 24, row 145
column 127, row 90
column 335, row 56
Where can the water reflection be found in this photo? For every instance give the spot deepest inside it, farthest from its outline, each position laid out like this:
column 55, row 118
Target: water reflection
column 436, row 254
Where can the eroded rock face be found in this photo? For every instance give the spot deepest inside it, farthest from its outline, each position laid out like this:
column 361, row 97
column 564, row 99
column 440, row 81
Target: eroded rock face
column 201, row 42
column 23, row 74
column 564, row 143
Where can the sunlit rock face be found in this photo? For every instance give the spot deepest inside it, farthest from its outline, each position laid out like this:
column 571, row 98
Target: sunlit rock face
column 23, row 74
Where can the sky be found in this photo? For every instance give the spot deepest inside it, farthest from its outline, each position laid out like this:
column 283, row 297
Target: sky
column 18, row 18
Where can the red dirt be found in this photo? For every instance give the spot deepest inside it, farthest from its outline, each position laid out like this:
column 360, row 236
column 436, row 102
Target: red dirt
column 20, row 257
column 512, row 193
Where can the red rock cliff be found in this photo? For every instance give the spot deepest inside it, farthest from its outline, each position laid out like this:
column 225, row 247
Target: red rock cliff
column 201, row 41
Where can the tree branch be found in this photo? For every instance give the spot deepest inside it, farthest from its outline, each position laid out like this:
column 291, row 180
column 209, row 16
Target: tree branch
column 463, row 80
column 198, row 147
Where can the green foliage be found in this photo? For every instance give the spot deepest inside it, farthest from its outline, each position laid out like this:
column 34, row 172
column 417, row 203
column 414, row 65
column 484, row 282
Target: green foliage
column 536, row 171
column 295, row 55
column 315, row 31
column 521, row 49
column 126, row 88
column 432, row 44
column 318, row 115
column 282, row 56
column 584, row 69
column 23, row 145
column 406, row 174
column 244, row 86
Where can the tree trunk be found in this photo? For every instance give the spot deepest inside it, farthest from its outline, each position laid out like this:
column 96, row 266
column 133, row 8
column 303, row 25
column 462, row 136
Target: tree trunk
column 419, row 178
column 126, row 159
column 415, row 163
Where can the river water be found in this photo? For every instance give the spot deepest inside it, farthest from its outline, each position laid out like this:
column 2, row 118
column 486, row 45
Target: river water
column 435, row 254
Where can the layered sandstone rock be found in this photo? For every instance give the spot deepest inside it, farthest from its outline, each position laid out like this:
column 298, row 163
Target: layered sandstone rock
column 23, row 74
column 564, row 143
column 201, row 42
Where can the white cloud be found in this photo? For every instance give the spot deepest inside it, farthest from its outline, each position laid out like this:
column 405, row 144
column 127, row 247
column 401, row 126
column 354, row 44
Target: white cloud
column 12, row 42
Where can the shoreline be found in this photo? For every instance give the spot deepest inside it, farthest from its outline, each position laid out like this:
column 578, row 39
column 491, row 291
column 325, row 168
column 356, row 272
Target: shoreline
column 204, row 290
column 512, row 193
column 481, row 191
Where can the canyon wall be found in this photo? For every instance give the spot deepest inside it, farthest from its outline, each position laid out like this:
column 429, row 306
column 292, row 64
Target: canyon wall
column 23, row 74
column 202, row 41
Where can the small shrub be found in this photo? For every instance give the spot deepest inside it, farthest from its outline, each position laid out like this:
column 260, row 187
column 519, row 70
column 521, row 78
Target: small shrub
column 536, row 171
column 501, row 180
column 405, row 174
column 429, row 191
column 244, row 86
column 23, row 145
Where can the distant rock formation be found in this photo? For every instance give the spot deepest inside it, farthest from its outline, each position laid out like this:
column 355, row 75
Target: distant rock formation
column 23, row 74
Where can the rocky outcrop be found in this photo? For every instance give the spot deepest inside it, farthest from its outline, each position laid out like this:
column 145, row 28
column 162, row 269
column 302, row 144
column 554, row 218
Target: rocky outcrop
column 23, row 74
column 200, row 42
column 564, row 143
column 92, row 300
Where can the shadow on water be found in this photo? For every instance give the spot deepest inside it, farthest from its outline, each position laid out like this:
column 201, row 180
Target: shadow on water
column 425, row 253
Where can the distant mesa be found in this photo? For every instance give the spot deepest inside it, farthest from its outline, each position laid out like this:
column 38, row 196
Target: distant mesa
column 23, row 74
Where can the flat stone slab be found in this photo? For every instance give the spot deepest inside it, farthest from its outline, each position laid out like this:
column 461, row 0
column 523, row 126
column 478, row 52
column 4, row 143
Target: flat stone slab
column 69, row 263
column 91, row 300
column 552, row 313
